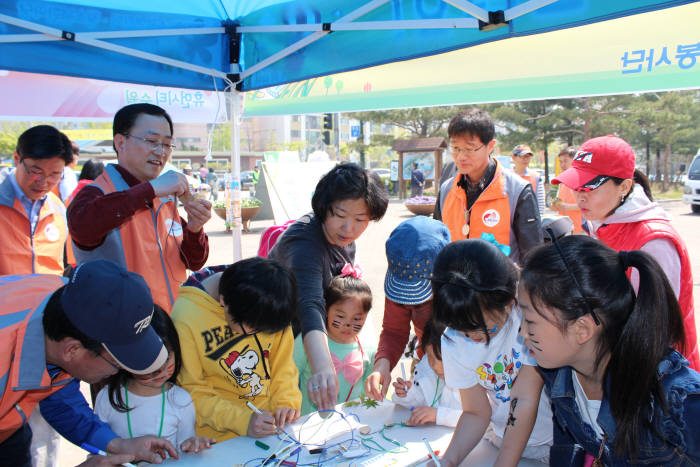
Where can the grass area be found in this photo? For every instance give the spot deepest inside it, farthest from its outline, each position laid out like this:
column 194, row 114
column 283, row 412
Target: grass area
column 675, row 191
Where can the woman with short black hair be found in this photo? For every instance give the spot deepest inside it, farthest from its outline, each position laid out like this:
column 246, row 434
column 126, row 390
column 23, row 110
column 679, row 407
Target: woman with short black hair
column 316, row 247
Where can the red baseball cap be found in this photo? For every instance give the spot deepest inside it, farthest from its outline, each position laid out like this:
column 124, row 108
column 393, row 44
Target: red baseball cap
column 596, row 161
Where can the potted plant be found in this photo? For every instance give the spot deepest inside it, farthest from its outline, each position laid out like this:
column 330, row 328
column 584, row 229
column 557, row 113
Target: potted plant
column 421, row 205
column 220, row 209
column 249, row 209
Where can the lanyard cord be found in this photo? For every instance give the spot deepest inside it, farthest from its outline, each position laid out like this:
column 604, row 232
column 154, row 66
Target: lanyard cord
column 162, row 409
column 362, row 353
column 436, row 397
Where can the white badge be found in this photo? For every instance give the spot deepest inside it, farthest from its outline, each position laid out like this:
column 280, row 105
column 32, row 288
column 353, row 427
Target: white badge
column 491, row 218
column 174, row 228
column 51, row 233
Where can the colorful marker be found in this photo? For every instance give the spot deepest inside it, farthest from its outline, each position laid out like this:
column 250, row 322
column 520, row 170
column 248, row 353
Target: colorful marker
column 422, row 460
column 259, row 412
column 403, row 375
column 431, row 453
column 253, row 408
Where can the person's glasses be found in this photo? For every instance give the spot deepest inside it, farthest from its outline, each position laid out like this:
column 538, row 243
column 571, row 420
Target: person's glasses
column 573, row 277
column 114, row 365
column 154, row 145
column 37, row 174
column 466, row 151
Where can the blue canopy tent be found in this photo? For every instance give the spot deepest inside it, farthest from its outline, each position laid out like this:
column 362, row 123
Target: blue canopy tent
column 241, row 45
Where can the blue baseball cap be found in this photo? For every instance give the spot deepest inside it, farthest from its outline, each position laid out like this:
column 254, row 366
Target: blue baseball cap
column 410, row 251
column 114, row 306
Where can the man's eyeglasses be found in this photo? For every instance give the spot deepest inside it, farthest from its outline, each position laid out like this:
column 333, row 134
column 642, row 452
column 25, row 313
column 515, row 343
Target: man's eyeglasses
column 167, row 148
column 466, row 151
column 38, row 174
column 573, row 277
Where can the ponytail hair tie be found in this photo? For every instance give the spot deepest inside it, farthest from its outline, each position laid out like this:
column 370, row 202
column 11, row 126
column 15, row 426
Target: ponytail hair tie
column 625, row 259
column 350, row 270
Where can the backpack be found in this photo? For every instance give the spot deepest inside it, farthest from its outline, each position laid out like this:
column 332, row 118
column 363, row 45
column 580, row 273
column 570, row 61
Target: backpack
column 269, row 237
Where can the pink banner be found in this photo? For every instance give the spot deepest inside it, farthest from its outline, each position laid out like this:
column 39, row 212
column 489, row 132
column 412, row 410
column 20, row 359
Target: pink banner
column 29, row 96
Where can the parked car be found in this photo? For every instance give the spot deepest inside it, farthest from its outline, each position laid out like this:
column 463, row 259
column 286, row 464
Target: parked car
column 691, row 193
column 383, row 173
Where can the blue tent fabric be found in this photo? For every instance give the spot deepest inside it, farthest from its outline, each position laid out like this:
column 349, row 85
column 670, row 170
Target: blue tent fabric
column 336, row 52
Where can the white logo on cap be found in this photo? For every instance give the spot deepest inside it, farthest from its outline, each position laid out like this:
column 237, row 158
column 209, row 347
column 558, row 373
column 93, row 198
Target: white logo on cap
column 491, row 218
column 173, row 227
column 143, row 324
column 586, row 157
column 51, row 233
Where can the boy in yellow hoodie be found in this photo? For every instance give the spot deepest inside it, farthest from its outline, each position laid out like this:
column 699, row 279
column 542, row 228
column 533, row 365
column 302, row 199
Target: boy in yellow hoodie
column 237, row 346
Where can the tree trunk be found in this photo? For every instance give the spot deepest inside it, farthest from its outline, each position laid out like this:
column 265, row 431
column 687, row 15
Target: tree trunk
column 587, row 121
column 657, row 169
column 648, row 157
column 664, row 167
column 546, row 168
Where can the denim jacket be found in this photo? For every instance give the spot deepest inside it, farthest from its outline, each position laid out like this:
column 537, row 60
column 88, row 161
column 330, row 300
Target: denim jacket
column 679, row 444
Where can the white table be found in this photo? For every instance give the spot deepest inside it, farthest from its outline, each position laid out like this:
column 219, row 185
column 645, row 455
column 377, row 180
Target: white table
column 243, row 451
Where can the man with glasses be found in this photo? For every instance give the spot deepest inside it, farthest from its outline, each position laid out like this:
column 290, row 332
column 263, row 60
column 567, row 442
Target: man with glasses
column 484, row 199
column 129, row 215
column 55, row 332
column 33, row 224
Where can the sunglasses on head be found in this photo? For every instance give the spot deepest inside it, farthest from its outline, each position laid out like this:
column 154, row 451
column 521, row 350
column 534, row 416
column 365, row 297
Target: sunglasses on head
column 573, row 277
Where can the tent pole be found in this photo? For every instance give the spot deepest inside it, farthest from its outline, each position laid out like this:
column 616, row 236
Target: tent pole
column 352, row 16
column 234, row 209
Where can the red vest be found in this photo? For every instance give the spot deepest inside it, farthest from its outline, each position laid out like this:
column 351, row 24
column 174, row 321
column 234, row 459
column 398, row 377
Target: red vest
column 633, row 236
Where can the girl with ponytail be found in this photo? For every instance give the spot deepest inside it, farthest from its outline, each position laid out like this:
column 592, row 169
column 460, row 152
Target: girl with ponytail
column 621, row 393
column 504, row 414
column 615, row 201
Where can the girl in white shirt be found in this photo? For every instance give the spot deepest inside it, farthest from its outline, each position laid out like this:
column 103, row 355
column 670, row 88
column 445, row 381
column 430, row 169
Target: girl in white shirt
column 474, row 288
column 427, row 395
column 137, row 405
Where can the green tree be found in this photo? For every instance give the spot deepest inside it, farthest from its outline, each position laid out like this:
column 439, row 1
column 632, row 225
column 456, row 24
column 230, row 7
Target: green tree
column 423, row 122
column 9, row 132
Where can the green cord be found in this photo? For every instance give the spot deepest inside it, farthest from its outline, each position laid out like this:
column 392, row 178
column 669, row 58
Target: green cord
column 436, row 398
column 370, row 442
column 162, row 409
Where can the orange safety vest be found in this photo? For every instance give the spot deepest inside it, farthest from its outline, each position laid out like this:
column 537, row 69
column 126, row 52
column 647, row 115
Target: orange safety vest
column 56, row 191
column 24, row 252
column 23, row 363
column 491, row 213
column 566, row 195
column 148, row 243
column 533, row 181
